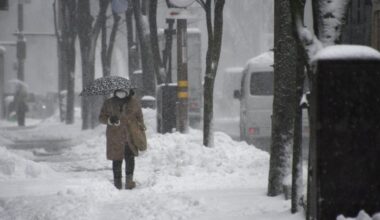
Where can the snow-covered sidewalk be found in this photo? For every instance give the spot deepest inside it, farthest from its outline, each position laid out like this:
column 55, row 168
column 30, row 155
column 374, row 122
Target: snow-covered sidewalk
column 177, row 178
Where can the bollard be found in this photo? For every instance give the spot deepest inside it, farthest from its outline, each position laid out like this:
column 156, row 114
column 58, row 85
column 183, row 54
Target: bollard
column 166, row 108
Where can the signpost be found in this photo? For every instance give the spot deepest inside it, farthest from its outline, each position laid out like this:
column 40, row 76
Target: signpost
column 179, row 13
column 182, row 94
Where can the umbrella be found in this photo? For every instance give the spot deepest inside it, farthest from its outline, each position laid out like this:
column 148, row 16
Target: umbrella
column 106, row 85
column 19, row 84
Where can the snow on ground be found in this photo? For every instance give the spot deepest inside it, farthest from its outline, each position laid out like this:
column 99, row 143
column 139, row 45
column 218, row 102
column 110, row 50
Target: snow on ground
column 177, row 178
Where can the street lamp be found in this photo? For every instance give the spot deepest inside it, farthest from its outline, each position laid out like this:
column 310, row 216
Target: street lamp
column 21, row 42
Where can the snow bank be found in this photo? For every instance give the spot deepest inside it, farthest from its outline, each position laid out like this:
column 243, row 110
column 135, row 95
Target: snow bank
column 177, row 178
column 13, row 166
column 346, row 52
column 175, row 160
column 78, row 199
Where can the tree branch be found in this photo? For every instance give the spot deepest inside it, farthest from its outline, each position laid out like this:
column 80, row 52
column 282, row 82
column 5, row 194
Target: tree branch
column 112, row 41
column 202, row 3
column 55, row 20
column 218, row 31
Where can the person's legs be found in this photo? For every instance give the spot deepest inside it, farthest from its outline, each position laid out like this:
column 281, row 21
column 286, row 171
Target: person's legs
column 116, row 168
column 129, row 168
column 20, row 117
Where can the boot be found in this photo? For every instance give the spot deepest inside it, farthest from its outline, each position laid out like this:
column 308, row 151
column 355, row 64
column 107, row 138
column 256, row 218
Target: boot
column 129, row 183
column 117, row 183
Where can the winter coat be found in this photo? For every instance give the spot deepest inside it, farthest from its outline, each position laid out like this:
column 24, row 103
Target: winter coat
column 129, row 112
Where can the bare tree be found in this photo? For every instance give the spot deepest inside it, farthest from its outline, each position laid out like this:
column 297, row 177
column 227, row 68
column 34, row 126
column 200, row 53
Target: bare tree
column 215, row 33
column 66, row 32
column 158, row 65
column 142, row 27
column 285, row 52
column 88, row 35
column 133, row 61
column 328, row 16
column 328, row 19
column 107, row 49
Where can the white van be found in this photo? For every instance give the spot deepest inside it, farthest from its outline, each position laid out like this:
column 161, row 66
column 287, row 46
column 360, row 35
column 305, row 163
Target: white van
column 256, row 101
column 226, row 108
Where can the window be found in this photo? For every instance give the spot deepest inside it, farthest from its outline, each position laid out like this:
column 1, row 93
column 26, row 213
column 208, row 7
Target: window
column 261, row 83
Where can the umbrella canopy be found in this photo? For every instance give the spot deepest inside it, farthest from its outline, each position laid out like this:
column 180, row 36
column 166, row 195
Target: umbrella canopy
column 106, row 85
column 18, row 84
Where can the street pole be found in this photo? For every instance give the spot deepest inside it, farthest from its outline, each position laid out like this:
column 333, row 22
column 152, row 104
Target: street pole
column 167, row 59
column 21, row 42
column 375, row 24
column 2, row 79
column 182, row 90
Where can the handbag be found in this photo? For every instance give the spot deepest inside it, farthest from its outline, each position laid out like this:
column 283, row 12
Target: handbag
column 137, row 134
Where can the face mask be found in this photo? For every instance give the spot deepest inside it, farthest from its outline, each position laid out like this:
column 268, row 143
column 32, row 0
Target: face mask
column 121, row 94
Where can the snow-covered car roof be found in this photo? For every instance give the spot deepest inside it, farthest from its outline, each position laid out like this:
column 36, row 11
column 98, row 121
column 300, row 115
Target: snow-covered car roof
column 262, row 62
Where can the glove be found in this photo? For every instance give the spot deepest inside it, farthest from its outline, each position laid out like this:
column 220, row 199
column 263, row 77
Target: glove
column 114, row 120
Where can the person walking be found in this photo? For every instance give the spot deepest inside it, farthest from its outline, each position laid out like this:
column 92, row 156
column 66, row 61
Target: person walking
column 20, row 104
column 125, row 134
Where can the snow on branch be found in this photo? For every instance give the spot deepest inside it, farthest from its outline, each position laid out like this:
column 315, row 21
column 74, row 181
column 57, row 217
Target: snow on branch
column 332, row 14
column 309, row 41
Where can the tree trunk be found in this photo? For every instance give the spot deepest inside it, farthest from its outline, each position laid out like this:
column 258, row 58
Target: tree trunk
column 132, row 47
column 66, row 48
column 149, row 83
column 115, row 26
column 285, row 49
column 297, row 182
column 84, row 32
column 158, row 65
column 70, row 59
column 331, row 18
column 103, row 52
column 297, row 8
column 215, row 33
column 59, row 11
column 88, row 36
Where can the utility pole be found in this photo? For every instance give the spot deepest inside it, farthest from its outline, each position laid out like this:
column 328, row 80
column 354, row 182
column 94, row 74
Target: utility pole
column 182, row 90
column 180, row 13
column 2, row 78
column 375, row 35
column 21, row 42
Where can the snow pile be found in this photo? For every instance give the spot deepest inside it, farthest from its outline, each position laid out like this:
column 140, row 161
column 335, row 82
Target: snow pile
column 13, row 166
column 177, row 178
column 77, row 200
column 175, row 160
column 345, row 52
column 361, row 216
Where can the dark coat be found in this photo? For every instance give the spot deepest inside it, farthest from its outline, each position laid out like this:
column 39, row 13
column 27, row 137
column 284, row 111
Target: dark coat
column 128, row 110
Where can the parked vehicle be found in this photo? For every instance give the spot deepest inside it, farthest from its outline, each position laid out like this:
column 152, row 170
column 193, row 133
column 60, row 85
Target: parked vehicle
column 256, row 101
column 226, row 108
